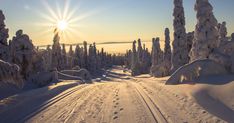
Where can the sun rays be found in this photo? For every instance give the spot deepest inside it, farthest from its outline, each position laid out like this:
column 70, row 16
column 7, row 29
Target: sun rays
column 64, row 18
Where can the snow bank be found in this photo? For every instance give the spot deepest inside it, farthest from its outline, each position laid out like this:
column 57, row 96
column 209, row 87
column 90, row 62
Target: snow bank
column 44, row 78
column 196, row 69
column 81, row 74
column 216, row 99
column 32, row 99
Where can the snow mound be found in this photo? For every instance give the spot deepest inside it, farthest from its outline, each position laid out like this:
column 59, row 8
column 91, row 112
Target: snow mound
column 10, row 74
column 217, row 100
column 196, row 69
column 76, row 68
column 18, row 105
column 44, row 78
column 81, row 74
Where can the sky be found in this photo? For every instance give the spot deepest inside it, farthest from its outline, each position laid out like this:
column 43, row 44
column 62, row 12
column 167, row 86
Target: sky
column 103, row 20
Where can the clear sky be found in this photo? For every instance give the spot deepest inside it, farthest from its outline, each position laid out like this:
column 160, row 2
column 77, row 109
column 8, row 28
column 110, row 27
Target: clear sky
column 103, row 20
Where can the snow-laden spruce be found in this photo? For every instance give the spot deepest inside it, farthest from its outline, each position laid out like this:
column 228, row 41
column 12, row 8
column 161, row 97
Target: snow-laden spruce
column 4, row 49
column 134, row 62
column 206, row 37
column 22, row 52
column 146, row 61
column 64, row 57
column 232, row 37
column 161, row 61
column 78, row 55
column 207, row 56
column 140, row 55
column 48, row 58
column 222, row 29
column 190, row 37
column 157, row 58
column 56, row 52
column 143, row 58
column 167, row 51
column 180, row 51
column 71, row 58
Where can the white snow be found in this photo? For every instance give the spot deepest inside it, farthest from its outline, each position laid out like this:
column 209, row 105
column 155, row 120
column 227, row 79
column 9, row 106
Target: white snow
column 125, row 99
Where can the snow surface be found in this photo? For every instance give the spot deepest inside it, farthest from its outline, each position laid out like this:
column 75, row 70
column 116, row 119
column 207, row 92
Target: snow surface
column 121, row 98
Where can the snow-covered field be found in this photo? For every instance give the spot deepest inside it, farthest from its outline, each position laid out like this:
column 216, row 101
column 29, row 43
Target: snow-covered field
column 121, row 98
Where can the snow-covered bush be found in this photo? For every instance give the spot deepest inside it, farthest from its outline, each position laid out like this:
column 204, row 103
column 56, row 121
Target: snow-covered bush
column 10, row 74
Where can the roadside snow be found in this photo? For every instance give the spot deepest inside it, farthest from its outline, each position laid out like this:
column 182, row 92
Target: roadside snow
column 18, row 102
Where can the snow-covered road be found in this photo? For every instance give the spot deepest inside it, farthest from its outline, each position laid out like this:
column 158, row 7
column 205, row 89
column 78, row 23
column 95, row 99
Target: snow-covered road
column 119, row 99
column 120, row 102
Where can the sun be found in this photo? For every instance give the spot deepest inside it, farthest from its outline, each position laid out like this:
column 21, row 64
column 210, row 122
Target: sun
column 62, row 25
column 64, row 18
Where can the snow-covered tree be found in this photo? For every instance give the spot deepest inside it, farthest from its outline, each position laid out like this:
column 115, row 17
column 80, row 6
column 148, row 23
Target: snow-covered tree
column 180, row 52
column 64, row 57
column 48, row 58
column 206, row 33
column 22, row 53
column 222, row 33
column 78, row 56
column 157, row 56
column 85, row 55
column 10, row 74
column 232, row 37
column 4, row 49
column 140, row 59
column 92, row 59
column 139, row 51
column 56, row 51
column 190, row 37
column 146, row 60
column 71, row 57
column 167, row 50
column 134, row 62
column 128, row 59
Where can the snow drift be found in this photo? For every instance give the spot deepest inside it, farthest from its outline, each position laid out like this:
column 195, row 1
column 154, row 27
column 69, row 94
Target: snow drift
column 196, row 69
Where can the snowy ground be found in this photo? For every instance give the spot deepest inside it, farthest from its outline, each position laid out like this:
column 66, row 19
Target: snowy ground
column 123, row 99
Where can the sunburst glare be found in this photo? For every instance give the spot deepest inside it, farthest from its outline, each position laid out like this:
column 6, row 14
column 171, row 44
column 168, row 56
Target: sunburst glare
column 64, row 19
